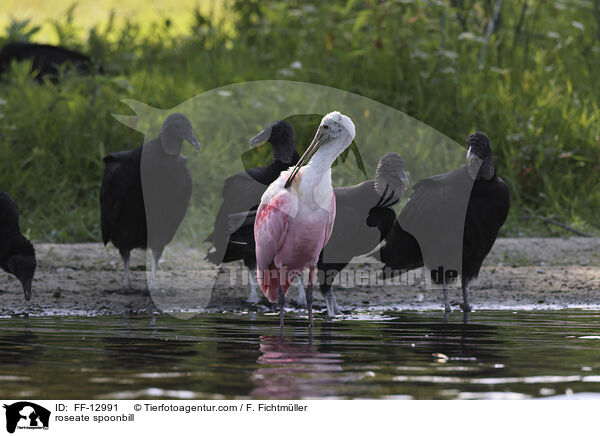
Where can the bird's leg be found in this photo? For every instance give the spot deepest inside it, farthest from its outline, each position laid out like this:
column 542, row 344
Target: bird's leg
column 253, row 297
column 301, row 294
column 465, row 289
column 152, row 272
column 281, row 304
column 332, row 307
column 126, row 281
column 309, row 296
column 336, row 308
column 155, row 258
column 447, row 308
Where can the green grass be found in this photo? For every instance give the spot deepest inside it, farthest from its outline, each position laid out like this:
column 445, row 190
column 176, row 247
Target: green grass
column 533, row 87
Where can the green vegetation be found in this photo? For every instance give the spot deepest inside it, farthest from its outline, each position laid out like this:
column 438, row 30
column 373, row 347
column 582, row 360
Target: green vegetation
column 527, row 76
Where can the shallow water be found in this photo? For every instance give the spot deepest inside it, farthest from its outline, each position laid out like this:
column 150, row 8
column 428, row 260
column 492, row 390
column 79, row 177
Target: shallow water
column 497, row 354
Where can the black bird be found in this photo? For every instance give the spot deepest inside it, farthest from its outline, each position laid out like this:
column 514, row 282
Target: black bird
column 427, row 226
column 364, row 217
column 233, row 234
column 46, row 59
column 134, row 217
column 17, row 255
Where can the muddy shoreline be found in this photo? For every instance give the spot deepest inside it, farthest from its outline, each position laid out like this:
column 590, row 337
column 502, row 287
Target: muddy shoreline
column 85, row 279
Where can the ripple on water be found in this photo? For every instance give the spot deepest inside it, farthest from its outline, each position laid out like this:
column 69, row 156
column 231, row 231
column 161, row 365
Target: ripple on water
column 392, row 354
column 151, row 392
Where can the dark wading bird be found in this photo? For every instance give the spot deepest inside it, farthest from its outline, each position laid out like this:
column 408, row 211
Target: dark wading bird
column 17, row 255
column 135, row 218
column 233, row 234
column 363, row 219
column 46, row 59
column 296, row 214
column 425, row 222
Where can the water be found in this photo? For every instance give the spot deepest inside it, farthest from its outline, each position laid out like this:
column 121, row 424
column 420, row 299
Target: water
column 497, row 354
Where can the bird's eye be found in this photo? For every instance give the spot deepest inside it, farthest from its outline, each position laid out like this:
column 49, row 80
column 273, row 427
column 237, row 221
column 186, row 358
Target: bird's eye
column 325, row 126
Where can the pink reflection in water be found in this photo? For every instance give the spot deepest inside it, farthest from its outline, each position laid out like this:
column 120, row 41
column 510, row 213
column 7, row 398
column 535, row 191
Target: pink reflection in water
column 296, row 370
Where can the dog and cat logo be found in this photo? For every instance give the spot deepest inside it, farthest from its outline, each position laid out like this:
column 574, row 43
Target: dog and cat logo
column 26, row 415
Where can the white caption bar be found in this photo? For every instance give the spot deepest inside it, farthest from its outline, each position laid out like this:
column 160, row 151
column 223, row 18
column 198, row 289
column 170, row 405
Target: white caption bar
column 361, row 417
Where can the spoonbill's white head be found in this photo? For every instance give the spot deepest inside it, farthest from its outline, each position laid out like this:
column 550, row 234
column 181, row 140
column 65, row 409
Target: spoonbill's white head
column 336, row 124
column 334, row 135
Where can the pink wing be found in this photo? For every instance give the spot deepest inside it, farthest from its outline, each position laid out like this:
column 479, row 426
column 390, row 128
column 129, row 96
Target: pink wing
column 270, row 228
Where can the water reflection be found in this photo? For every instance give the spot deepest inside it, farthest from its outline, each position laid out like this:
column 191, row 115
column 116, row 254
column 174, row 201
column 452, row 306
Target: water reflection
column 390, row 355
column 20, row 347
column 139, row 353
column 290, row 369
column 459, row 340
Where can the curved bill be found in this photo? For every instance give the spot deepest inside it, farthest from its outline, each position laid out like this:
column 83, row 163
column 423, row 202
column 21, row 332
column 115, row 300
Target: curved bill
column 193, row 141
column 319, row 139
column 261, row 138
column 26, row 283
column 473, row 163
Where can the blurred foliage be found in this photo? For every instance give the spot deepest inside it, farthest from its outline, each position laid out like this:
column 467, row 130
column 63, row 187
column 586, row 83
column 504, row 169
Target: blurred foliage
column 523, row 71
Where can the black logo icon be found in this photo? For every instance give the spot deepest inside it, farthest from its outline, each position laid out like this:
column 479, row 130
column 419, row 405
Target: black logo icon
column 26, row 415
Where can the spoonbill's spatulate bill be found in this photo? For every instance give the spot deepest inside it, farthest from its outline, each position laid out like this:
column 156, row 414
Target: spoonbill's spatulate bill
column 125, row 219
column 424, row 234
column 17, row 255
column 364, row 218
column 296, row 214
column 233, row 233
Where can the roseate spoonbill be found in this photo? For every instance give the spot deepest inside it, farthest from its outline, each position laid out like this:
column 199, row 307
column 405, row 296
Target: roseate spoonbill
column 233, row 233
column 434, row 200
column 126, row 219
column 363, row 219
column 17, row 255
column 296, row 214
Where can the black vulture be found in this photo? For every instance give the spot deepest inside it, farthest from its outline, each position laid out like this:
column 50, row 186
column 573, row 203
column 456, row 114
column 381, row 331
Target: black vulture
column 45, row 58
column 233, row 234
column 426, row 224
column 363, row 219
column 17, row 255
column 135, row 217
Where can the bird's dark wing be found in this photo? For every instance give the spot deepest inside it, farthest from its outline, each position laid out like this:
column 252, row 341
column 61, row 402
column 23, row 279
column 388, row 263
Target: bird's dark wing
column 346, row 230
column 488, row 208
column 238, row 220
column 352, row 234
column 241, row 193
column 120, row 171
column 8, row 209
column 434, row 218
column 167, row 189
column 430, row 197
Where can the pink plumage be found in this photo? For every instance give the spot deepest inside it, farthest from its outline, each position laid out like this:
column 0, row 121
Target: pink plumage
column 287, row 243
column 296, row 214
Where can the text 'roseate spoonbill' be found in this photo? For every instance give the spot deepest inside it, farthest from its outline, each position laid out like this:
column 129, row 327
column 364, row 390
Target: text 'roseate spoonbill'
column 296, row 214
